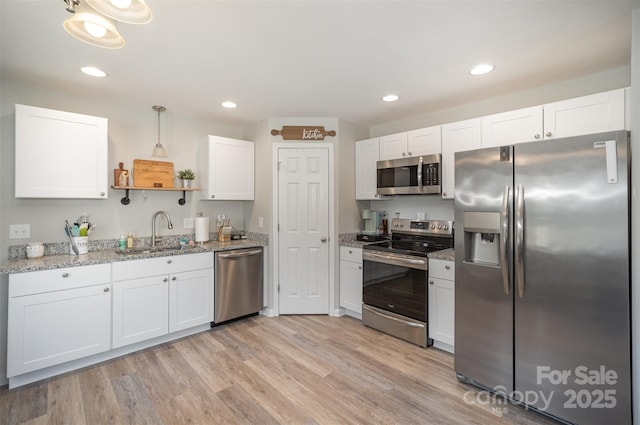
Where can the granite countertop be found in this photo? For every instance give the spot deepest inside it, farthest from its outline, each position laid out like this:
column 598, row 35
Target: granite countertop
column 48, row 262
column 445, row 254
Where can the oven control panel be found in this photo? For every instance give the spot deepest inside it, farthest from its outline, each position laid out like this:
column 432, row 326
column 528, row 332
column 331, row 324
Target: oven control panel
column 432, row 227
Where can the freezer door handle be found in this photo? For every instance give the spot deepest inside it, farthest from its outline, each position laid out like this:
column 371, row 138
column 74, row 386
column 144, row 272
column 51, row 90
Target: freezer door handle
column 519, row 240
column 505, row 239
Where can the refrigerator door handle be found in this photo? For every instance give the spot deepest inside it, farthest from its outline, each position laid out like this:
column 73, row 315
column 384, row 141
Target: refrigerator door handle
column 519, row 240
column 420, row 162
column 505, row 239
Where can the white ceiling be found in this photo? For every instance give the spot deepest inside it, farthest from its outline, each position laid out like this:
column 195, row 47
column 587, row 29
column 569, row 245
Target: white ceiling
column 319, row 58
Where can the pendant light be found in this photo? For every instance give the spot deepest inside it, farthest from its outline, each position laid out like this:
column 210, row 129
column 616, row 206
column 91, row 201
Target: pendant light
column 127, row 11
column 158, row 151
column 92, row 28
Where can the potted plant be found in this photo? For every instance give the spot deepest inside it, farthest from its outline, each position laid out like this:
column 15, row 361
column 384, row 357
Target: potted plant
column 186, row 176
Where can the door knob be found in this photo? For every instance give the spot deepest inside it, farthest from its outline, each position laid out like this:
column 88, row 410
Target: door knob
column 323, row 239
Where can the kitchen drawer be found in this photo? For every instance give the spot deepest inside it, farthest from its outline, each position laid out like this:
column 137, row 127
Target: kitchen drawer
column 348, row 253
column 441, row 269
column 134, row 269
column 21, row 284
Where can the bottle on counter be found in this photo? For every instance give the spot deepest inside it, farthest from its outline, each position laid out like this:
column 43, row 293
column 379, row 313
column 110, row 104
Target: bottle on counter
column 122, row 242
column 130, row 240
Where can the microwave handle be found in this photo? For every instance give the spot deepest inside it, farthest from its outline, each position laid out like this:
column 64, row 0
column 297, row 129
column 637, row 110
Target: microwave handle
column 420, row 174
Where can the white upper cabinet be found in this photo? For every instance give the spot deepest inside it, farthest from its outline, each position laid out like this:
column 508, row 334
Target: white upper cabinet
column 595, row 113
column 457, row 137
column 60, row 154
column 367, row 155
column 227, row 168
column 511, row 127
column 393, row 146
column 424, row 141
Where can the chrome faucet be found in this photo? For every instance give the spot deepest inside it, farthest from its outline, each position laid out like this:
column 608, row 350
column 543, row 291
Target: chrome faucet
column 153, row 226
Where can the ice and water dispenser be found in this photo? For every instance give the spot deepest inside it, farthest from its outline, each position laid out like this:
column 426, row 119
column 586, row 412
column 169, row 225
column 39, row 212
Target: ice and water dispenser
column 482, row 238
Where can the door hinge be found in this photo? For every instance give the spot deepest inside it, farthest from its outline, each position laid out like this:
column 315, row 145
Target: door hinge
column 278, row 227
column 278, row 288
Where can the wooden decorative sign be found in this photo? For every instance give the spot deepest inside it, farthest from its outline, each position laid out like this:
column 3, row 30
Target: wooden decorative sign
column 301, row 132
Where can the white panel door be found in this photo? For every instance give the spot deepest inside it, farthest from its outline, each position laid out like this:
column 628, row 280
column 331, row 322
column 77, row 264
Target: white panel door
column 303, row 221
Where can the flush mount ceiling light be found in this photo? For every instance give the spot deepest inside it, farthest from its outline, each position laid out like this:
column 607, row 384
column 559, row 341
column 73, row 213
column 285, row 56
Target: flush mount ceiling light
column 390, row 98
column 158, row 151
column 93, row 20
column 93, row 71
column 481, row 69
column 93, row 28
column 127, row 11
column 229, row 104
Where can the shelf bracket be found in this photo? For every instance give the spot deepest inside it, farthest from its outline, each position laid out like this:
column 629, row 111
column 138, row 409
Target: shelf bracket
column 183, row 200
column 125, row 200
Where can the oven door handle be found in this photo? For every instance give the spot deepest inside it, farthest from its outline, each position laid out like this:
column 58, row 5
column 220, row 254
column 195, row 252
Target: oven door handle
column 394, row 260
column 386, row 316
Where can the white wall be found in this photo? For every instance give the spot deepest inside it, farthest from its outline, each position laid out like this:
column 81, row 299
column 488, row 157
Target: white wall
column 589, row 84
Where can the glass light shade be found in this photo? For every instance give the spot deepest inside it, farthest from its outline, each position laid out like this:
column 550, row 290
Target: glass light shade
column 86, row 19
column 136, row 13
column 158, row 152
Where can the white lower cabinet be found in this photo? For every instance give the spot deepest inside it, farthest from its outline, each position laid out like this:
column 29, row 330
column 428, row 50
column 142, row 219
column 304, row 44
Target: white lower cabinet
column 351, row 280
column 442, row 303
column 156, row 296
column 56, row 316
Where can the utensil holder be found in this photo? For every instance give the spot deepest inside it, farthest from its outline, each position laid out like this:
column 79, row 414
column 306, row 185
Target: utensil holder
column 82, row 243
column 224, row 233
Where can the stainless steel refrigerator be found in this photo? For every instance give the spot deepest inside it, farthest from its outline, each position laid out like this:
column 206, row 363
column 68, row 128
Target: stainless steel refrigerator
column 542, row 302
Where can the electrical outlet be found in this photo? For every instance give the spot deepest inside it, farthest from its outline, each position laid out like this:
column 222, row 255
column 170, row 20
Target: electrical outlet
column 260, row 222
column 19, row 231
column 188, row 223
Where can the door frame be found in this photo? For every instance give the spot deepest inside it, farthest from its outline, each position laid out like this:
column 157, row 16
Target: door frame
column 332, row 308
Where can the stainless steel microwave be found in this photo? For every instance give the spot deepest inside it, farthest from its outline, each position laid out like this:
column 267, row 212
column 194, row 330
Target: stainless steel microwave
column 418, row 175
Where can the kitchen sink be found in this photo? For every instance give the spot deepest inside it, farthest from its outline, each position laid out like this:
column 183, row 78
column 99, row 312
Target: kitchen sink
column 149, row 249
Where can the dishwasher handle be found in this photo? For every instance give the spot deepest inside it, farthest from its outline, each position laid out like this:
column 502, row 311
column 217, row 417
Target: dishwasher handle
column 236, row 254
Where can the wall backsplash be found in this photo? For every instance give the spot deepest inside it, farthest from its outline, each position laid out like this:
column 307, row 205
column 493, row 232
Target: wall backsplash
column 434, row 207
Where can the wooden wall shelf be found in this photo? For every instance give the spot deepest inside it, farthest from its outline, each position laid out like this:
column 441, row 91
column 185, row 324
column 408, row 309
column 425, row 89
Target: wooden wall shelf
column 181, row 201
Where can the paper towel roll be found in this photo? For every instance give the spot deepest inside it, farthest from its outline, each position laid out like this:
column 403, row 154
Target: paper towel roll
column 202, row 229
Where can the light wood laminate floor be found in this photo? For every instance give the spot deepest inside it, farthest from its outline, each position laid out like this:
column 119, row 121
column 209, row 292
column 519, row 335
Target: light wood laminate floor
column 284, row 370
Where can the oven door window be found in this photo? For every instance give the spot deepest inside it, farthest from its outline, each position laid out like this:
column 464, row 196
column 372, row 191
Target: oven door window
column 399, row 289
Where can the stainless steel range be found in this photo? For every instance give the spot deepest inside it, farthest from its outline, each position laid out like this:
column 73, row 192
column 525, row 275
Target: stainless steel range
column 395, row 275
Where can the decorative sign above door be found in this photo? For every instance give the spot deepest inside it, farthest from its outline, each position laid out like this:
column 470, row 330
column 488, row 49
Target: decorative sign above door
column 301, row 132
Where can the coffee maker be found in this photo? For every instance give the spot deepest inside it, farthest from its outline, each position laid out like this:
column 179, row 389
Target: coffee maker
column 373, row 226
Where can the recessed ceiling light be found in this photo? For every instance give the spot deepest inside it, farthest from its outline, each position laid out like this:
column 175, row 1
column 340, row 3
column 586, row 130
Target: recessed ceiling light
column 93, row 71
column 229, row 104
column 390, row 98
column 481, row 69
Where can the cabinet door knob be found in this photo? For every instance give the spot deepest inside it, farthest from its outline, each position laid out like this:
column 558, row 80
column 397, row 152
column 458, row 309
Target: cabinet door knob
column 102, row 193
column 404, row 154
column 536, row 136
column 165, row 280
column 448, row 267
column 323, row 239
column 444, row 193
column 548, row 134
column 168, row 261
column 213, row 196
column 409, row 153
column 173, row 278
column 359, row 267
column 431, row 282
column 106, row 289
column 65, row 274
column 350, row 252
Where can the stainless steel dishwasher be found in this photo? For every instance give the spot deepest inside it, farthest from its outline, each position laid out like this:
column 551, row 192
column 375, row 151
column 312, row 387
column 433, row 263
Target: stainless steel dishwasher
column 238, row 283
